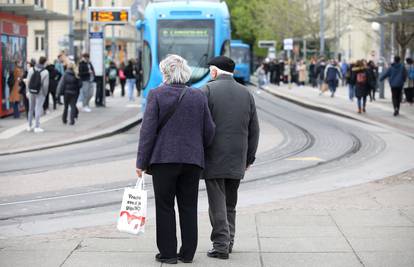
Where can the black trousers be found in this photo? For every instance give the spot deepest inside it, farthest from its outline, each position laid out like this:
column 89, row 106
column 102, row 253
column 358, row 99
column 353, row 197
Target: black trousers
column 46, row 103
column 122, row 82
column 222, row 201
column 176, row 181
column 70, row 100
column 112, row 86
column 396, row 93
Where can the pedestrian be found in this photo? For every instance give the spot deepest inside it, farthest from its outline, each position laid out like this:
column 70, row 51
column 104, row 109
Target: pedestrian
column 320, row 74
column 361, row 80
column 60, row 67
column 302, row 73
column 312, row 73
column 70, row 86
column 396, row 75
column 372, row 77
column 409, row 85
column 261, row 77
column 344, row 70
column 54, row 77
column 232, row 152
column 14, row 83
column 87, row 76
column 122, row 78
column 332, row 76
column 351, row 85
column 37, row 85
column 286, row 71
column 176, row 129
column 138, row 77
column 112, row 74
column 131, row 74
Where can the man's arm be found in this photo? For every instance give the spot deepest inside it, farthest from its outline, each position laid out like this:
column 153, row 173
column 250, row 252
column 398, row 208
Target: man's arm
column 254, row 132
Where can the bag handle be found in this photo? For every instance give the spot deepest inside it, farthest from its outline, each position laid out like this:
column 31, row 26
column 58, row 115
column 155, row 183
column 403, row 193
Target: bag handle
column 141, row 182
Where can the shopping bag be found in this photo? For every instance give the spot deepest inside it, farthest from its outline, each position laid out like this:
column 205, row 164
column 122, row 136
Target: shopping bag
column 133, row 212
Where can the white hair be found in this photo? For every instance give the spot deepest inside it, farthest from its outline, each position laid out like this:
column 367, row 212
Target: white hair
column 175, row 69
column 220, row 71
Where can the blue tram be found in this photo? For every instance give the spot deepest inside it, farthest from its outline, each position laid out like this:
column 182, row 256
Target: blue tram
column 195, row 30
column 240, row 53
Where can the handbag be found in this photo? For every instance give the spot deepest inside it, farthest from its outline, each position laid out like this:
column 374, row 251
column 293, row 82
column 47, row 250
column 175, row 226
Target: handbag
column 324, row 87
column 132, row 217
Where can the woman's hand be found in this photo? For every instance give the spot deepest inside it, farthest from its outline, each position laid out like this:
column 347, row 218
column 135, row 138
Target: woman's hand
column 139, row 172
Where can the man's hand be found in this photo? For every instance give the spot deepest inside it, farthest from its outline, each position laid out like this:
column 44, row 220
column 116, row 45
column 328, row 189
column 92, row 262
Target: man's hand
column 139, row 172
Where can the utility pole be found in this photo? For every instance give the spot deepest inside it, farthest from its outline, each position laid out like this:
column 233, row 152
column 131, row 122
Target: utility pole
column 381, row 62
column 322, row 28
column 113, row 46
column 71, row 36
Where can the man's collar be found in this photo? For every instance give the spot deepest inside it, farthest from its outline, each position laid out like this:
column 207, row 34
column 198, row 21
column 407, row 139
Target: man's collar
column 224, row 77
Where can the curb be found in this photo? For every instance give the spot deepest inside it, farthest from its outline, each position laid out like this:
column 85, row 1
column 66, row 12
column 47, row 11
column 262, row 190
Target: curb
column 122, row 127
column 333, row 111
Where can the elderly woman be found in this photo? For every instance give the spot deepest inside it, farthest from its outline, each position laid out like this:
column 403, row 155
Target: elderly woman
column 176, row 128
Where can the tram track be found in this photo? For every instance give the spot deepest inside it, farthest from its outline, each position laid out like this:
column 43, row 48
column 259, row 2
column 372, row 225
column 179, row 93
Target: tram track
column 308, row 143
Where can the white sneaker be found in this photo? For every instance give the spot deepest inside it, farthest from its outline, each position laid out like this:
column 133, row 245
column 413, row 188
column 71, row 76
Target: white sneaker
column 87, row 109
column 38, row 130
column 29, row 128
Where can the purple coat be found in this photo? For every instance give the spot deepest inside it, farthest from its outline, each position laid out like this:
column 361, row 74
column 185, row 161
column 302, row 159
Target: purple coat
column 184, row 136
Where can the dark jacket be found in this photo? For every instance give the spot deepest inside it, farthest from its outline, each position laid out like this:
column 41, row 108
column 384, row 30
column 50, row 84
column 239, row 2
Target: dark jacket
column 361, row 89
column 69, row 84
column 84, row 73
column 396, row 75
column 320, row 71
column 237, row 129
column 184, row 137
column 54, row 77
column 131, row 71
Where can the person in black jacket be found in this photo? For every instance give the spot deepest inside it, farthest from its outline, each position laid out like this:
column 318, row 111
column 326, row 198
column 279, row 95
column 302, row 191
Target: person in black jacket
column 87, row 76
column 361, row 79
column 131, row 72
column 69, row 86
column 373, row 77
column 112, row 75
column 54, row 77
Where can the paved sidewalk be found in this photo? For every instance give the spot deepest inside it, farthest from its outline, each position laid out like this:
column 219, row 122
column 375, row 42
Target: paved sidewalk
column 118, row 114
column 365, row 225
column 379, row 112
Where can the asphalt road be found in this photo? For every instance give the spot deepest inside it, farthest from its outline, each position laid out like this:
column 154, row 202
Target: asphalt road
column 318, row 152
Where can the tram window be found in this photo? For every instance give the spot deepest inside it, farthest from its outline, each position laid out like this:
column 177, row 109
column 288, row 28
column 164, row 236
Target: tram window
column 191, row 39
column 225, row 49
column 240, row 55
column 146, row 64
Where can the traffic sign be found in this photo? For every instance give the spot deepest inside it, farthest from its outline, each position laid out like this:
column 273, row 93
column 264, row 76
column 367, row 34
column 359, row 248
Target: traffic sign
column 288, row 44
column 267, row 43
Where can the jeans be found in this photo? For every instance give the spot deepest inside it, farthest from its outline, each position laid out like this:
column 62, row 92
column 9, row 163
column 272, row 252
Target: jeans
column 130, row 83
column 36, row 106
column 362, row 101
column 351, row 89
column 87, row 92
column 16, row 111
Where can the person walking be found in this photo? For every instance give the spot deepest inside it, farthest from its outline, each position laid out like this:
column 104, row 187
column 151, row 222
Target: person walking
column 54, row 77
column 396, row 75
column 312, row 73
column 332, row 76
column 14, row 83
column 302, row 73
column 232, row 152
column 38, row 85
column 112, row 74
column 60, row 67
column 261, row 77
column 320, row 75
column 372, row 78
column 69, row 86
column 361, row 81
column 131, row 74
column 351, row 85
column 87, row 76
column 409, row 85
column 176, row 129
column 122, row 78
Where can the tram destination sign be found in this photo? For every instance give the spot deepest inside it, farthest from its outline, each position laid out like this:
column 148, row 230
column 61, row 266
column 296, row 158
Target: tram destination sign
column 109, row 15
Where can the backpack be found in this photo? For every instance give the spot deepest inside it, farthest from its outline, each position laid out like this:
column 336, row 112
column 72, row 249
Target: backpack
column 331, row 74
column 112, row 74
column 361, row 77
column 411, row 73
column 35, row 83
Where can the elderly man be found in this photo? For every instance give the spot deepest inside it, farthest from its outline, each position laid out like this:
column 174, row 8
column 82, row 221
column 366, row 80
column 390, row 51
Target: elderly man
column 231, row 153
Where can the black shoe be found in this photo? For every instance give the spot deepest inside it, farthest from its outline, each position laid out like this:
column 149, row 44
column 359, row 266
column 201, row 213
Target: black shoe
column 212, row 253
column 230, row 248
column 180, row 258
column 160, row 258
column 396, row 113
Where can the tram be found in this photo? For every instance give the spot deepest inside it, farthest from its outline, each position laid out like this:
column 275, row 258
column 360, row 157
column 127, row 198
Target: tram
column 195, row 30
column 240, row 53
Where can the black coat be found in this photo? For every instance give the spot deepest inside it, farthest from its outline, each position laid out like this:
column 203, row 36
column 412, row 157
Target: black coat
column 69, row 84
column 235, row 143
column 54, row 77
column 131, row 71
column 361, row 89
column 84, row 73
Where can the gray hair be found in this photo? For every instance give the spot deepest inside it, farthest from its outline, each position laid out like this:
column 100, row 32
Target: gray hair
column 175, row 69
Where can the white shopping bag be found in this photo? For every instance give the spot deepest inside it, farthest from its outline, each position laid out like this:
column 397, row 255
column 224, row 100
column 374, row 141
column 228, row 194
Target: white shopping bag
column 133, row 209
